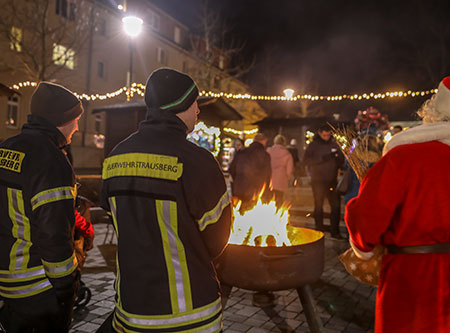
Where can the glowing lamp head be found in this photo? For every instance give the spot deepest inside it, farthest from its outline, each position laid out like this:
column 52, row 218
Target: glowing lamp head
column 288, row 93
column 132, row 25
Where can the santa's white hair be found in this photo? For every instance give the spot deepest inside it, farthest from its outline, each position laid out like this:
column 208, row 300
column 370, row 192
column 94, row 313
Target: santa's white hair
column 430, row 114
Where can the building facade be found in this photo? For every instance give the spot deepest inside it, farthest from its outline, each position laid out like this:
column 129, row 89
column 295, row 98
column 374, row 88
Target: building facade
column 81, row 44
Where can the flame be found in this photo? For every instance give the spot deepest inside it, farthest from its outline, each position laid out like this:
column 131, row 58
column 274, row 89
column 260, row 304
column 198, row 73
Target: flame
column 266, row 225
column 263, row 225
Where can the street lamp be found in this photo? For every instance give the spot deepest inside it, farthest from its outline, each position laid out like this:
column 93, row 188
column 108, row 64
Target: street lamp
column 288, row 93
column 133, row 27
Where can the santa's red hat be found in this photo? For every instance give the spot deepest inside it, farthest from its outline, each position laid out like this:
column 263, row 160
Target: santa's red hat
column 442, row 99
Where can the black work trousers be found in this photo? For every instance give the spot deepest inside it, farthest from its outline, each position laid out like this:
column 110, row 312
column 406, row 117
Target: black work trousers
column 40, row 313
column 321, row 190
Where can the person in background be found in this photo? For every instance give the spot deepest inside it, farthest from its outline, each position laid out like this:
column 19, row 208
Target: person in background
column 171, row 211
column 251, row 172
column 37, row 198
column 292, row 148
column 403, row 205
column 324, row 158
column 282, row 168
column 397, row 129
column 238, row 145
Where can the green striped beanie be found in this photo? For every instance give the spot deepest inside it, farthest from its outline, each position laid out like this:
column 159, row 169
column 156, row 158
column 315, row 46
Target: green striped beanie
column 170, row 90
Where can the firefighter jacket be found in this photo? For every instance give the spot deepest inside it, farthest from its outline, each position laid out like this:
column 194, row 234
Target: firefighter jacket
column 171, row 212
column 37, row 190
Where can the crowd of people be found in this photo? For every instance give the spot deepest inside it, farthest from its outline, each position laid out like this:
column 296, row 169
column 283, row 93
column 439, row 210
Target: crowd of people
column 170, row 207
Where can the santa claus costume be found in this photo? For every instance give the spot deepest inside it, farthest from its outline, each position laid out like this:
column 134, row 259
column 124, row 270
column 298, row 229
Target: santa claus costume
column 404, row 204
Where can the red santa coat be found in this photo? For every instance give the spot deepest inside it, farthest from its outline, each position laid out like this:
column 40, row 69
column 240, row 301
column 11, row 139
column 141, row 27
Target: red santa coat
column 404, row 200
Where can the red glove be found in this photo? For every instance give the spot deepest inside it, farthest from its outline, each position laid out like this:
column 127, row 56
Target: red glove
column 86, row 229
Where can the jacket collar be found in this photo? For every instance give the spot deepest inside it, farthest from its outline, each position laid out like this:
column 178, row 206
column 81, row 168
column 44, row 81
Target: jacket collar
column 39, row 124
column 164, row 121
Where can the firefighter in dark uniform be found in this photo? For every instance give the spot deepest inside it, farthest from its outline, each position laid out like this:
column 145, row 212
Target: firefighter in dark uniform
column 171, row 212
column 37, row 191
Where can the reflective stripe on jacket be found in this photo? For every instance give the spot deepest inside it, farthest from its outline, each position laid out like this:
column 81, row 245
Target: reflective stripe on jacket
column 170, row 209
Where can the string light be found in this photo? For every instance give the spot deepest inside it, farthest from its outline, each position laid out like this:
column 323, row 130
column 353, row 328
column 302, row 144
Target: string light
column 308, row 137
column 139, row 88
column 237, row 132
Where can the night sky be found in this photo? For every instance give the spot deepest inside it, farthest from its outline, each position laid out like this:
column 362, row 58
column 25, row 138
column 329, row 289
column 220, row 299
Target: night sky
column 335, row 47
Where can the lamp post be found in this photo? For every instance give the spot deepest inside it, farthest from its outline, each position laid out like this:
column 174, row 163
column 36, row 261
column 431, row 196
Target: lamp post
column 133, row 27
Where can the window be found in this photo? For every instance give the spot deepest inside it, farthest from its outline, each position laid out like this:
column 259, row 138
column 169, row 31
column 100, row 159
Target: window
column 99, row 139
column 12, row 113
column 63, row 56
column 101, row 27
column 16, row 39
column 98, row 123
column 61, row 8
column 177, row 35
column 66, row 9
column 101, row 70
column 217, row 80
column 162, row 56
column 153, row 20
column 72, row 11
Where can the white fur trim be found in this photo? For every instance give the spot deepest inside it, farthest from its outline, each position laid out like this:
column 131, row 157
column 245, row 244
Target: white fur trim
column 423, row 133
column 442, row 101
column 361, row 254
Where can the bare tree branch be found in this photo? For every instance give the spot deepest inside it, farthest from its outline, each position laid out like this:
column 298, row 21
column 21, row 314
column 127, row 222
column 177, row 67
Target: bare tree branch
column 41, row 29
column 221, row 55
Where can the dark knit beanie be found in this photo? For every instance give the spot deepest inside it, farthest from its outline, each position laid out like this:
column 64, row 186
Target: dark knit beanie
column 55, row 103
column 169, row 90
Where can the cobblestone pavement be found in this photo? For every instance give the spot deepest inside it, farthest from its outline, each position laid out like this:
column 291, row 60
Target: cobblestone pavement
column 344, row 304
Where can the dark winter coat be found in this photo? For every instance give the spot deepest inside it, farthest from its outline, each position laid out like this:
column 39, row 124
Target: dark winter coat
column 170, row 208
column 37, row 191
column 323, row 159
column 250, row 170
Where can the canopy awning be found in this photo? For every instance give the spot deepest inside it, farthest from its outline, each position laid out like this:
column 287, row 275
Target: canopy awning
column 6, row 91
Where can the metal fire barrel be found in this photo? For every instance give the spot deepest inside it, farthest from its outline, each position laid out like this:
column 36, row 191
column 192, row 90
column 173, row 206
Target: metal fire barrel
column 274, row 268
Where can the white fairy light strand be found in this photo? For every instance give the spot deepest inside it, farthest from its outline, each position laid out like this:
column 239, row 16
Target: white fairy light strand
column 139, row 88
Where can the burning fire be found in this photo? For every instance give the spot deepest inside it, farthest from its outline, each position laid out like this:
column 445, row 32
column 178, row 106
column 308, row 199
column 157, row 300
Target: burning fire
column 263, row 225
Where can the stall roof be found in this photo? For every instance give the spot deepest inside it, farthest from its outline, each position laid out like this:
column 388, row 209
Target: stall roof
column 219, row 107
column 210, row 105
column 6, row 91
